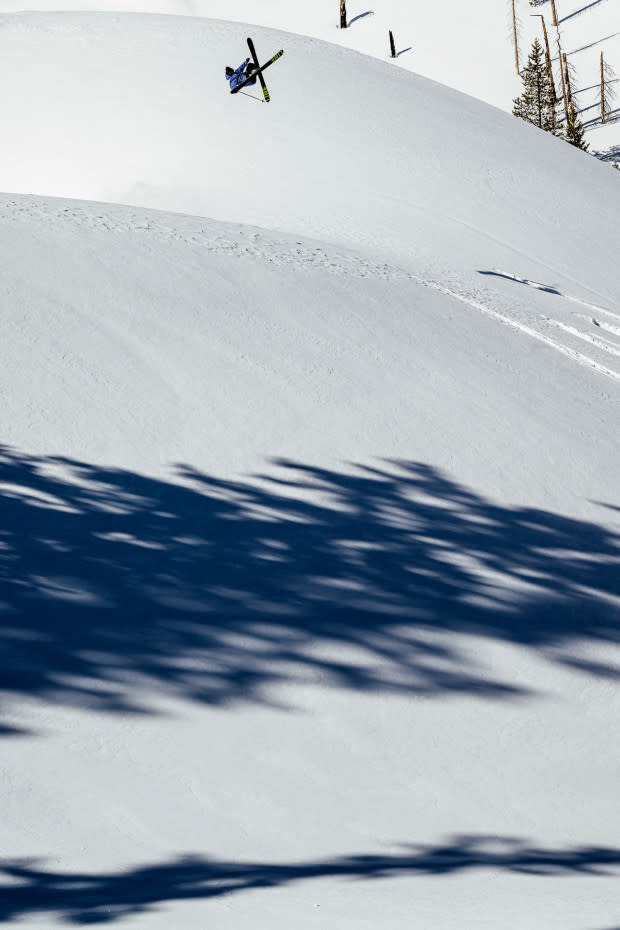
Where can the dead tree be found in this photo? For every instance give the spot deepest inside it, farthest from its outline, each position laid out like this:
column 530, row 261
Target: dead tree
column 573, row 128
column 569, row 90
column 562, row 75
column 547, row 56
column 515, row 35
column 343, row 14
column 392, row 46
column 554, row 15
column 607, row 92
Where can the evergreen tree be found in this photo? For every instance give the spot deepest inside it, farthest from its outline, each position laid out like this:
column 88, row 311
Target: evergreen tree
column 537, row 102
column 573, row 129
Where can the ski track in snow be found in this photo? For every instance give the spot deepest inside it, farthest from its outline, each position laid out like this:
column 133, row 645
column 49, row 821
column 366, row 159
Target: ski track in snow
column 565, row 348
column 530, row 330
column 284, row 250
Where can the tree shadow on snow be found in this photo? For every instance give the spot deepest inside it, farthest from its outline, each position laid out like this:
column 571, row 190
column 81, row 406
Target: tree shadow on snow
column 547, row 288
column 84, row 898
column 584, row 48
column 583, row 90
column 113, row 583
column 578, row 12
column 360, row 16
column 612, row 154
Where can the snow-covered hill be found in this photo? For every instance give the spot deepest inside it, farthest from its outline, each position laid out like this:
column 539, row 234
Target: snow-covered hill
column 310, row 591
column 134, row 109
column 447, row 42
column 310, row 574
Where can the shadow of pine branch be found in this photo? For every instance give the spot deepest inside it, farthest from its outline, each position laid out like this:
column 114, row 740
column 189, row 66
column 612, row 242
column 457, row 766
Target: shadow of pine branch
column 112, row 583
column 83, row 897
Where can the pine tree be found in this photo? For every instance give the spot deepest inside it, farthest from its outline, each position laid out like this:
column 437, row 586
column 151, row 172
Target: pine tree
column 573, row 129
column 537, row 102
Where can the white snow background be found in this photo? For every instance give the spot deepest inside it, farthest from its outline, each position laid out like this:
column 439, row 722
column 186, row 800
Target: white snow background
column 309, row 486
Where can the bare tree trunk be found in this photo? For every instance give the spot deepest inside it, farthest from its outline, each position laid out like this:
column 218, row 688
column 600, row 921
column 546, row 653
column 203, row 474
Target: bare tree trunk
column 515, row 36
column 392, row 46
column 569, row 92
column 608, row 79
column 343, row 14
column 563, row 79
column 554, row 15
column 548, row 58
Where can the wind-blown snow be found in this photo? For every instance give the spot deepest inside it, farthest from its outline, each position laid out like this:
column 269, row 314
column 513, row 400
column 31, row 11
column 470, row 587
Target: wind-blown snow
column 309, row 487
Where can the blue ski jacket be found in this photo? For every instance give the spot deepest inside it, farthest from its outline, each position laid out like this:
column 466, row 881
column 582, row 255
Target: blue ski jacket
column 238, row 77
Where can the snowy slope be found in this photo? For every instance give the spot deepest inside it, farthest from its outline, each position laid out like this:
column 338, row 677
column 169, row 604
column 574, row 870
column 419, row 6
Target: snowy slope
column 135, row 110
column 442, row 41
column 315, row 586
column 309, row 605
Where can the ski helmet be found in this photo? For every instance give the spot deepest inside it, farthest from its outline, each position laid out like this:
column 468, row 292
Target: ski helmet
column 229, row 71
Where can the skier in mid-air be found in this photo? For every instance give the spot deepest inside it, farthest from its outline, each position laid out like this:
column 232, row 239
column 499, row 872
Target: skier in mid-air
column 241, row 75
column 249, row 70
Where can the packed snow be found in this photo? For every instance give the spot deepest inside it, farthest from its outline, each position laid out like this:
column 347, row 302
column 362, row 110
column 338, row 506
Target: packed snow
column 310, row 549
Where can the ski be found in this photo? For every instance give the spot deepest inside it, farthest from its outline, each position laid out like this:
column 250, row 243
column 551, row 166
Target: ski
column 260, row 74
column 260, row 70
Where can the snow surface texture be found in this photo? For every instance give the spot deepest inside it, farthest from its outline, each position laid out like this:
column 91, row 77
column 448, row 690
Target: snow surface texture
column 310, row 543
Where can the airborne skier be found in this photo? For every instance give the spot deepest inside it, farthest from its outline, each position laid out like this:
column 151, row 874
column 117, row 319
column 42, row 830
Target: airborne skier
column 248, row 71
column 241, row 75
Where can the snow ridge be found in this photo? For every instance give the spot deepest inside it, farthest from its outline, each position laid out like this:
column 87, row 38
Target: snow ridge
column 301, row 254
